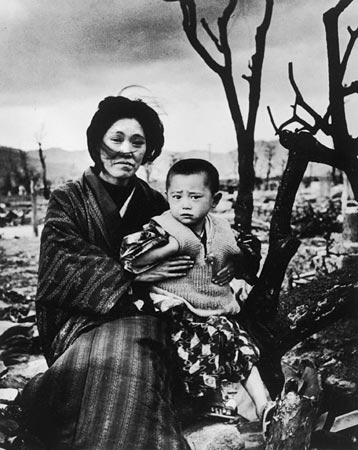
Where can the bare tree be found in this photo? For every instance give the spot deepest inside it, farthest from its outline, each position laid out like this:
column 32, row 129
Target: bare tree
column 279, row 321
column 26, row 171
column 39, row 136
column 244, row 129
column 44, row 172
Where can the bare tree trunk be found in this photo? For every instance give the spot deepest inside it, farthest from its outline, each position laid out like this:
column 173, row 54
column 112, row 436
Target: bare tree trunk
column 244, row 204
column 44, row 173
column 295, row 412
column 244, row 132
column 34, row 208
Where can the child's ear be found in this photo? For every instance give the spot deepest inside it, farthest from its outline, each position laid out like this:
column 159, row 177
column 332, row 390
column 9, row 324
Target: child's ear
column 216, row 198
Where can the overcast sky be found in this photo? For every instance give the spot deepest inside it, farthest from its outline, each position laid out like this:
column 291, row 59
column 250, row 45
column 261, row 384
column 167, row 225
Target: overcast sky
column 60, row 58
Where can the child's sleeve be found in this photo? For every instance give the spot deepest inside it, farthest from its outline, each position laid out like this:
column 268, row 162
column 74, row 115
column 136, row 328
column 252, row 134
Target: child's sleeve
column 248, row 263
column 136, row 244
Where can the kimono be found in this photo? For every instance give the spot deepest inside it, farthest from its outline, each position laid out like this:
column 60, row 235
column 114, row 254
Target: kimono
column 109, row 381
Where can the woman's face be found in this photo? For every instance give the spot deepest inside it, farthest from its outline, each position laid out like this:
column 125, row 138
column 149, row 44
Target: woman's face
column 128, row 144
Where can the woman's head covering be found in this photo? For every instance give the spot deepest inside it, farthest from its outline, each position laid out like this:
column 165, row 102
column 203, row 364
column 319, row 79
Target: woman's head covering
column 112, row 109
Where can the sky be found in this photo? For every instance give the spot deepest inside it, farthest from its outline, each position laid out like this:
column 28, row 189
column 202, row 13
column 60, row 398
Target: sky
column 60, row 58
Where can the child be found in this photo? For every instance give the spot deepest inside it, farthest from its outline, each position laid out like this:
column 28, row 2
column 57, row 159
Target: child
column 210, row 343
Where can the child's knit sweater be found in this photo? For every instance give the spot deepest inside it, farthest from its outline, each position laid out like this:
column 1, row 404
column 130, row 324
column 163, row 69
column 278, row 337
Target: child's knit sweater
column 197, row 287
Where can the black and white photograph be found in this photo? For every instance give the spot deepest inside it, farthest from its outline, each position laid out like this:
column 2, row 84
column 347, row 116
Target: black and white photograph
column 179, row 225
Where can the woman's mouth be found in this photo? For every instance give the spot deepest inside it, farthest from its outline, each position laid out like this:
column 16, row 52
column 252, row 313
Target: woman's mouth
column 123, row 163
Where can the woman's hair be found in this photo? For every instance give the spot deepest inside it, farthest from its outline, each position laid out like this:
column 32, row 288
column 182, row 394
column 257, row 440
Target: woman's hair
column 192, row 166
column 112, row 109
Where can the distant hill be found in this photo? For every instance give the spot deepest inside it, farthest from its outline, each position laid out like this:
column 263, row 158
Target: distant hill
column 12, row 167
column 64, row 165
column 227, row 163
column 61, row 165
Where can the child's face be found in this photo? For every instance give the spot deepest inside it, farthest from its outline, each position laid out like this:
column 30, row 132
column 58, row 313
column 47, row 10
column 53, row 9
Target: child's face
column 190, row 199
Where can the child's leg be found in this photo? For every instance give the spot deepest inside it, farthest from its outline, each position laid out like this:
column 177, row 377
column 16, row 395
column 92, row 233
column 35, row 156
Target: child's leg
column 256, row 390
column 197, row 356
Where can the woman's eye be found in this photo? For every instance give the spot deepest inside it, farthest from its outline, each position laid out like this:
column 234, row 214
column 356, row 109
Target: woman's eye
column 138, row 143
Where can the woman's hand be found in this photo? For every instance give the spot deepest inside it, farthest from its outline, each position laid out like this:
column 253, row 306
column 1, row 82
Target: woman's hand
column 225, row 275
column 172, row 268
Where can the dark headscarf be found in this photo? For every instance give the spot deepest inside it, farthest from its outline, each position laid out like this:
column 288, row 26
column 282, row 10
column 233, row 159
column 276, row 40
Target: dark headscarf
column 112, row 109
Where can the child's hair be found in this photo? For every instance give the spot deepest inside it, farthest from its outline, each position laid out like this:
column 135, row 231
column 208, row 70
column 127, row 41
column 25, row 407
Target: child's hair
column 193, row 166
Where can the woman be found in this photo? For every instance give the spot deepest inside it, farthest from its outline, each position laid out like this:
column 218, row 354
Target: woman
column 108, row 385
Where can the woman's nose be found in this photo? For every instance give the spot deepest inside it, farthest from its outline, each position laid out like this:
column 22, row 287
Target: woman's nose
column 126, row 147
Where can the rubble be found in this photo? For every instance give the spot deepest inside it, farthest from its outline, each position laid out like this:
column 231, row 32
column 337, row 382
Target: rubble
column 333, row 350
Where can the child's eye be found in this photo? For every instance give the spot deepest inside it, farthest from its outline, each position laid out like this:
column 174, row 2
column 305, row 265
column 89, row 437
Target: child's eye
column 176, row 196
column 196, row 197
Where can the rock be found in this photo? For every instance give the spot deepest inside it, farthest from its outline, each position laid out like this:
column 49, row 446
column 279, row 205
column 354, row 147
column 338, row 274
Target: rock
column 8, row 395
column 3, row 369
column 5, row 324
column 214, row 436
column 8, row 426
column 350, row 224
column 229, row 439
column 19, row 374
column 348, row 386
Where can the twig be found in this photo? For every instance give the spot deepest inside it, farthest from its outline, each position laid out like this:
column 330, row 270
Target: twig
column 272, row 120
column 190, row 27
column 351, row 89
column 256, row 66
column 222, row 25
column 347, row 53
column 338, row 127
column 212, row 36
column 319, row 122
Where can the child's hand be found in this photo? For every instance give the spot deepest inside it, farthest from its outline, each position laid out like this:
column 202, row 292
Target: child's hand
column 225, row 275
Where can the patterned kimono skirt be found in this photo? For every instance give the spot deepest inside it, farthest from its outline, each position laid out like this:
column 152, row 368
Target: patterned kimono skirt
column 110, row 390
column 211, row 350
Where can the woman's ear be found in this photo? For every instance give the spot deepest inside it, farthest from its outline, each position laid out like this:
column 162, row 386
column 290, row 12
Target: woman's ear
column 216, row 198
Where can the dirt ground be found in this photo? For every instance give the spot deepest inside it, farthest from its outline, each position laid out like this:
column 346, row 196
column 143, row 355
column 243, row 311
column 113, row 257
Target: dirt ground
column 19, row 254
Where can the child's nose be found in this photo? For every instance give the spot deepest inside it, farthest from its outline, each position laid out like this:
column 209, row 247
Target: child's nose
column 185, row 203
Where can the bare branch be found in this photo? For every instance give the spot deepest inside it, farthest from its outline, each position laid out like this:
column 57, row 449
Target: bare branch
column 248, row 77
column 190, row 27
column 326, row 116
column 339, row 128
column 320, row 123
column 212, row 36
column 347, row 53
column 272, row 120
column 296, row 119
column 222, row 25
column 351, row 89
column 228, row 11
column 340, row 7
column 256, row 66
column 311, row 149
